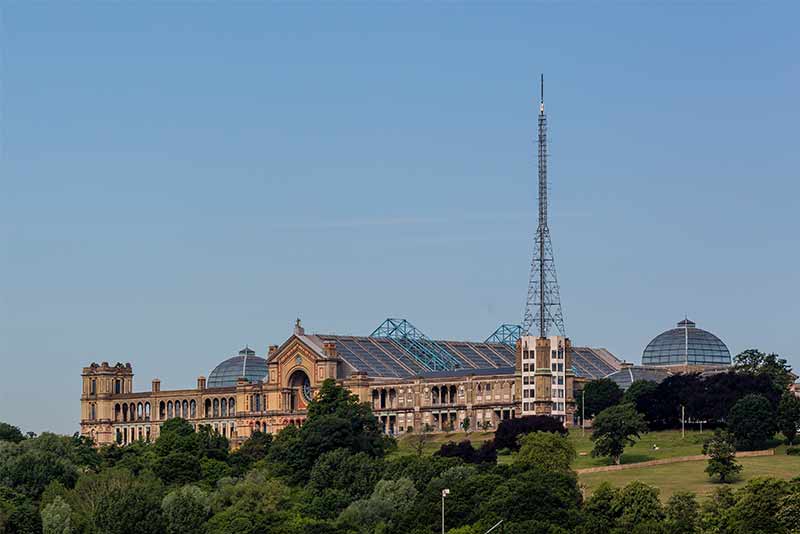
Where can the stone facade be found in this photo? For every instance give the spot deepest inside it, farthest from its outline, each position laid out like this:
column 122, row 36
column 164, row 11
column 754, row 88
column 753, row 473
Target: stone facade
column 111, row 410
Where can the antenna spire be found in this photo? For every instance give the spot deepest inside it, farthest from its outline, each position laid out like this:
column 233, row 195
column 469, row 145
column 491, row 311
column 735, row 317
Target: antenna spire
column 543, row 306
column 542, row 88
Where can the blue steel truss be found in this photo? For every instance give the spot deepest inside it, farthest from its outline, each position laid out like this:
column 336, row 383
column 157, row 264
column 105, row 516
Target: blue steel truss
column 508, row 334
column 423, row 349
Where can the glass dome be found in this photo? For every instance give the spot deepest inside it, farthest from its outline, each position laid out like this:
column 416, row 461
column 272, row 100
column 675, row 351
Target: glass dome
column 246, row 364
column 686, row 345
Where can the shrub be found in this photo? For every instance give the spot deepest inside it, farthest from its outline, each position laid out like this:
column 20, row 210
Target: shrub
column 793, row 451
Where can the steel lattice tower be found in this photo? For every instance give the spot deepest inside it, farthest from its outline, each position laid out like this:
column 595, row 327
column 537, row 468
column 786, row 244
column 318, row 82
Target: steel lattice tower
column 543, row 306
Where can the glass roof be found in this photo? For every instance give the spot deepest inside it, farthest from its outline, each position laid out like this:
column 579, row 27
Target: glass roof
column 246, row 364
column 686, row 344
column 628, row 375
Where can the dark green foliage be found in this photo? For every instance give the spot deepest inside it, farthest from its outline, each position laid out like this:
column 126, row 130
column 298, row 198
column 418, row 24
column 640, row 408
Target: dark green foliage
column 598, row 395
column 18, row 513
column 614, row 429
column 253, row 450
column 722, row 462
column 30, row 465
column 635, row 504
column 789, row 416
column 464, row 450
column 758, row 505
column 509, row 430
column 793, row 451
column 752, row 422
column 335, row 420
column 178, row 468
column 772, row 366
column 10, row 433
column 185, row 510
column 641, row 394
column 682, row 513
column 133, row 508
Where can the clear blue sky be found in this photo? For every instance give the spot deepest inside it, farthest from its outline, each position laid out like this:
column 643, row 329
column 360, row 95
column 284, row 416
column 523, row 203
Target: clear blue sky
column 180, row 180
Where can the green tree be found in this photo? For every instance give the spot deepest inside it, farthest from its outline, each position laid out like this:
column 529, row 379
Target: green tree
column 354, row 474
column 599, row 395
column 789, row 513
column 465, row 425
column 179, row 468
column 682, row 513
column 56, row 517
column 755, row 362
column 752, row 422
column 722, row 456
column 715, row 511
column 615, row 428
column 599, row 514
column 545, row 451
column 131, row 509
column 641, row 394
column 18, row 513
column 10, row 433
column 253, row 450
column 185, row 510
column 789, row 416
column 635, row 504
column 389, row 503
column 758, row 505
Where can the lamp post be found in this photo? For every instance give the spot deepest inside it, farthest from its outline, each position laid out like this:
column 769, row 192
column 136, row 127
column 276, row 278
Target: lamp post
column 445, row 493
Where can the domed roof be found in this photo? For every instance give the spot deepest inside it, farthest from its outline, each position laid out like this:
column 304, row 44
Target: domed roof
column 684, row 345
column 246, row 364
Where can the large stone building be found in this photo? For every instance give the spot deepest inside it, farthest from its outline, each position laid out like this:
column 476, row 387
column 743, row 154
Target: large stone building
column 410, row 381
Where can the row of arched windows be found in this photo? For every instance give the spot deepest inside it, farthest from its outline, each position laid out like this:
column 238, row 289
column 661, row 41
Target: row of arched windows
column 132, row 412
column 223, row 407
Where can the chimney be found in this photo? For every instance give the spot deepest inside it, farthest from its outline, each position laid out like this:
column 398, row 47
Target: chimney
column 272, row 350
column 298, row 329
column 201, row 382
column 329, row 347
column 156, row 385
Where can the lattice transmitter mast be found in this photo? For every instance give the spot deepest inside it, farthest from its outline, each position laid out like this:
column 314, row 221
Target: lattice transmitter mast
column 543, row 306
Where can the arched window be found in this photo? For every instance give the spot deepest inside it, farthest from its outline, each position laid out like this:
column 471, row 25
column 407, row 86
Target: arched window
column 117, row 386
column 140, row 411
column 453, row 393
column 93, row 387
column 169, row 410
column 224, row 409
column 435, row 395
column 146, row 411
column 185, row 405
column 162, row 410
column 92, row 412
column 207, row 408
column 216, row 408
column 117, row 412
column 232, row 406
column 192, row 409
column 124, row 412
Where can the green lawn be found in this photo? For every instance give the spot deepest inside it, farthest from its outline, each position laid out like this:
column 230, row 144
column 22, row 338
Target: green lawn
column 669, row 442
column 691, row 476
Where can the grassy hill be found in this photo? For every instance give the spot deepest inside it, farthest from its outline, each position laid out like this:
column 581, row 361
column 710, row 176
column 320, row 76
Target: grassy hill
column 669, row 478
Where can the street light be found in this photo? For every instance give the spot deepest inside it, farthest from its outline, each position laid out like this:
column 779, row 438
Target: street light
column 445, row 493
